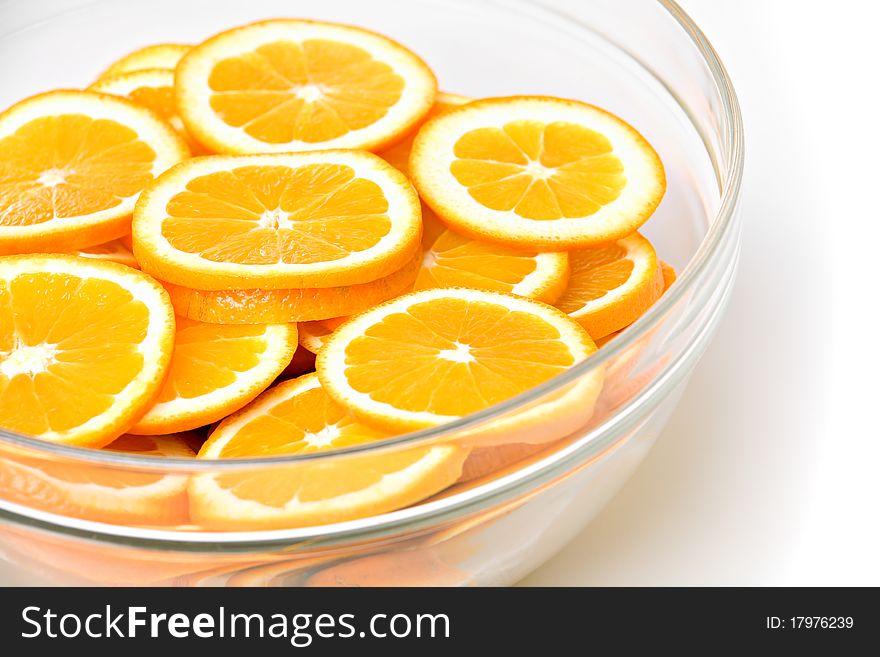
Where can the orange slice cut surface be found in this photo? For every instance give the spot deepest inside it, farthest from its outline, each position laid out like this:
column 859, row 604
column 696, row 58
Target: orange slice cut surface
column 538, row 172
column 152, row 88
column 612, row 286
column 295, row 85
column 298, row 305
column 72, row 164
column 298, row 417
column 437, row 355
column 215, row 370
column 453, row 260
column 84, row 346
column 299, row 220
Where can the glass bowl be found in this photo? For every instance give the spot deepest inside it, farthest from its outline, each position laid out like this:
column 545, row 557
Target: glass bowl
column 538, row 466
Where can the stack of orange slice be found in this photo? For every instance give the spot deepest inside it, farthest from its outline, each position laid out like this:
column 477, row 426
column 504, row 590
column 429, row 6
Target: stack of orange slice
column 390, row 257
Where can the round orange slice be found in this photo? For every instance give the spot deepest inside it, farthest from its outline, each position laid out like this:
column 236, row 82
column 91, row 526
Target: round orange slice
column 543, row 173
column 278, row 221
column 296, row 85
column 84, row 346
column 72, row 164
column 154, row 89
column 215, row 370
column 313, row 334
column 453, row 260
column 162, row 55
column 298, row 417
column 114, row 251
column 104, row 493
column 298, row 305
column 434, row 356
column 612, row 286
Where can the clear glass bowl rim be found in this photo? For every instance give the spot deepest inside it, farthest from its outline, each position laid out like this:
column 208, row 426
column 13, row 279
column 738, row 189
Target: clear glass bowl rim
column 688, row 278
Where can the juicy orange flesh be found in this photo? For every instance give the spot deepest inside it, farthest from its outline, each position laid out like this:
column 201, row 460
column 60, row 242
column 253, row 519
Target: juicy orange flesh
column 67, row 346
column 158, row 99
column 161, row 100
column 309, row 422
column 70, row 165
column 452, row 260
column 313, row 482
column 306, row 423
column 594, row 273
column 539, row 170
column 208, row 357
column 310, row 91
column 260, row 215
column 453, row 357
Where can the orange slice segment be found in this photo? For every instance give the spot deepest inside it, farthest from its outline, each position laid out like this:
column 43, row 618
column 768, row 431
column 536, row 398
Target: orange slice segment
column 298, row 220
column 72, row 164
column 453, row 260
column 103, row 493
column 114, row 251
column 612, row 286
column 434, row 356
column 298, row 417
column 152, row 88
column 538, row 172
column 298, row 305
column 295, row 85
column 313, row 334
column 84, row 346
column 162, row 55
column 215, row 370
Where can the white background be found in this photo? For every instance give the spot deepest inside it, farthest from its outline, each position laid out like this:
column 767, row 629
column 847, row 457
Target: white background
column 768, row 472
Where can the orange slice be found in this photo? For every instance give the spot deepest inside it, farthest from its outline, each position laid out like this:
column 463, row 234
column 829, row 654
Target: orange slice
column 437, row 355
column 114, row 251
column 669, row 275
column 612, row 286
column 84, row 346
column 296, row 85
column 453, row 260
column 313, row 334
column 152, row 88
column 296, row 220
column 299, row 305
column 298, row 417
column 538, row 172
column 398, row 155
column 162, row 55
column 103, row 493
column 215, row 370
column 72, row 164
